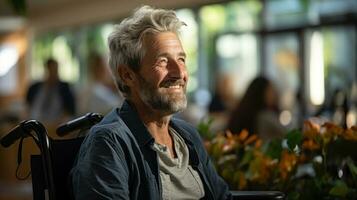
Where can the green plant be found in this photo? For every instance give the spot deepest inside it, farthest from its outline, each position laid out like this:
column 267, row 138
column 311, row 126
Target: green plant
column 317, row 162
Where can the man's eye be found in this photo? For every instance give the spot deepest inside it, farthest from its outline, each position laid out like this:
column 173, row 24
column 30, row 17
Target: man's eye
column 162, row 61
column 183, row 60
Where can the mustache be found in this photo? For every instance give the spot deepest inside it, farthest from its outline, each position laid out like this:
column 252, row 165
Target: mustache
column 172, row 82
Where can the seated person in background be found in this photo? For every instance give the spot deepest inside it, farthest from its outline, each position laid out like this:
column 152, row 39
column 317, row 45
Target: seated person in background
column 101, row 94
column 139, row 151
column 257, row 112
column 221, row 103
column 51, row 101
column 223, row 98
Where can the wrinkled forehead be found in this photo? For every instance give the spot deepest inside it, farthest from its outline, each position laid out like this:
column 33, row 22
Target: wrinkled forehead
column 162, row 41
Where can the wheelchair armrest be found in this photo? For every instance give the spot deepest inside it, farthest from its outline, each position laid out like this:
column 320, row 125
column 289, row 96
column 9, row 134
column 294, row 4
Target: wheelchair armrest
column 257, row 195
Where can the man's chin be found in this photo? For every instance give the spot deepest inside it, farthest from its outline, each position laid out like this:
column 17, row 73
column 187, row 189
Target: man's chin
column 174, row 107
column 179, row 107
column 168, row 103
column 170, row 106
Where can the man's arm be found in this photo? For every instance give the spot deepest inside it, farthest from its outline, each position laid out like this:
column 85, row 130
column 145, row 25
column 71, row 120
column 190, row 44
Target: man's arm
column 101, row 171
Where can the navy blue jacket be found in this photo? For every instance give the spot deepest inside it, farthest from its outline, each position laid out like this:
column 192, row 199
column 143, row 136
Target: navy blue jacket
column 116, row 160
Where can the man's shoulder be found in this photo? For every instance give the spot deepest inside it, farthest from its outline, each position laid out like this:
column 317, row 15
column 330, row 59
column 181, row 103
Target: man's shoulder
column 111, row 126
column 183, row 124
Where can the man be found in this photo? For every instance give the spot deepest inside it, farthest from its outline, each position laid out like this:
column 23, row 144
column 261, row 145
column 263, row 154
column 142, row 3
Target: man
column 139, row 151
column 51, row 101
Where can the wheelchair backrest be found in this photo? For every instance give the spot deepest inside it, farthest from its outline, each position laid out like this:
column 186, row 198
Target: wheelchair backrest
column 63, row 155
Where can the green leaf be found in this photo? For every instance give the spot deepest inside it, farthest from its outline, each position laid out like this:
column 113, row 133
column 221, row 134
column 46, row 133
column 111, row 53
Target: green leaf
column 353, row 168
column 294, row 138
column 204, row 128
column 340, row 189
column 247, row 157
column 293, row 195
column 274, row 149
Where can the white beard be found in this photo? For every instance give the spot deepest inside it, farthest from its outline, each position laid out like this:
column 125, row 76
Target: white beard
column 158, row 100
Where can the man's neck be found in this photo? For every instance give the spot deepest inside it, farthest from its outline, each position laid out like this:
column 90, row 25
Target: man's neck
column 156, row 122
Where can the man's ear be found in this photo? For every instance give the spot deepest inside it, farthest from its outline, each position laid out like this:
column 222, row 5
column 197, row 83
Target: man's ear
column 126, row 75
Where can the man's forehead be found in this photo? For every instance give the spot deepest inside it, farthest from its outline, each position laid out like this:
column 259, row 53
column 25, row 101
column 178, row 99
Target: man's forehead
column 163, row 43
column 161, row 38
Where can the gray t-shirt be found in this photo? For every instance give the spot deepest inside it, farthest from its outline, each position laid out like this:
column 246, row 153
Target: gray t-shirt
column 179, row 180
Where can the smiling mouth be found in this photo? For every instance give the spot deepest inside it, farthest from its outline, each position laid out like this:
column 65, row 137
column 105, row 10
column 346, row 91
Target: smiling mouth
column 179, row 84
column 174, row 86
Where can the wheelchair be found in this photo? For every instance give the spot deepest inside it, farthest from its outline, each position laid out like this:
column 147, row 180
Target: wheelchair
column 50, row 170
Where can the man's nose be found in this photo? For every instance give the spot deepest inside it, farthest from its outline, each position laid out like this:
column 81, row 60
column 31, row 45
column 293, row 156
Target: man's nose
column 177, row 69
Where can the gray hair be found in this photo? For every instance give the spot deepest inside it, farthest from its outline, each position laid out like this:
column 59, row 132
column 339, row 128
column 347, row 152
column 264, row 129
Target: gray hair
column 126, row 41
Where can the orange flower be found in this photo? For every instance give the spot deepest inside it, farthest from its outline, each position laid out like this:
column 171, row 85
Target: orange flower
column 287, row 164
column 230, row 142
column 243, row 135
column 229, row 134
column 258, row 143
column 311, row 130
column 251, row 139
column 350, row 134
column 228, row 146
column 310, row 144
column 261, row 167
column 331, row 130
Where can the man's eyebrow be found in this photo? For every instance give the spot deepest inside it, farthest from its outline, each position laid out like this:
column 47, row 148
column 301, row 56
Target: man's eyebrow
column 167, row 54
column 182, row 54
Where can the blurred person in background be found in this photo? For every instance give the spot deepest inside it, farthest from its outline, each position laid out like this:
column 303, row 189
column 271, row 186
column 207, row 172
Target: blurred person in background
column 51, row 101
column 222, row 102
column 257, row 112
column 223, row 98
column 101, row 94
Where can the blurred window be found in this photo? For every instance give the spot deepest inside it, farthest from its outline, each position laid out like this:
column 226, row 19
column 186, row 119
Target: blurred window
column 189, row 35
column 292, row 13
column 9, row 56
column 282, row 67
column 60, row 46
column 286, row 13
column 339, row 57
column 238, row 56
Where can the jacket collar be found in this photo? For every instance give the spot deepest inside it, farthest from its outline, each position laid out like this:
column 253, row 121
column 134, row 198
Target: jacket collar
column 132, row 120
column 134, row 123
